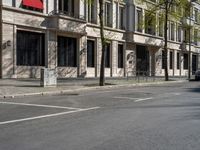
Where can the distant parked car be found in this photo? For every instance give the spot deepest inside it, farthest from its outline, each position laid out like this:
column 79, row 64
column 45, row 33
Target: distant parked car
column 197, row 75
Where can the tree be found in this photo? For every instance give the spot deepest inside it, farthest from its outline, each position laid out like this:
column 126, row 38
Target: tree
column 103, row 39
column 167, row 13
column 103, row 43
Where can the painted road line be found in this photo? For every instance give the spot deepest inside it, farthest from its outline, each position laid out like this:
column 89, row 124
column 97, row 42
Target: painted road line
column 143, row 99
column 131, row 98
column 47, row 116
column 177, row 94
column 38, row 105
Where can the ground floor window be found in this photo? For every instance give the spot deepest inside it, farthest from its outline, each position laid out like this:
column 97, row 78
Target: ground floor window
column 90, row 53
column 67, row 51
column 163, row 59
column 171, row 60
column 107, row 55
column 194, row 63
column 30, row 48
column 185, row 64
column 178, row 60
column 120, row 56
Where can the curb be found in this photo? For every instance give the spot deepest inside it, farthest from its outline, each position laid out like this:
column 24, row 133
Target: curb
column 88, row 88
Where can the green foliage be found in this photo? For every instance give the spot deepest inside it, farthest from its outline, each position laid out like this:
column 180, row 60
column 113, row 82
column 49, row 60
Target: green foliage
column 175, row 9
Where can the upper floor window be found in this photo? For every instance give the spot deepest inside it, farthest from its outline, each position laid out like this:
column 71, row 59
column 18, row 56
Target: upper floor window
column 195, row 36
column 160, row 27
column 179, row 34
column 139, row 20
column 196, row 15
column 172, row 31
column 121, row 17
column 150, row 24
column 92, row 14
column 108, row 14
column 36, row 5
column 66, row 7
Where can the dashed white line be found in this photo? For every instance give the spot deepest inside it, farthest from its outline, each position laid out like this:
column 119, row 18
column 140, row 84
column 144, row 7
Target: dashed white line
column 177, row 93
column 131, row 98
column 38, row 105
column 136, row 99
column 143, row 99
column 46, row 116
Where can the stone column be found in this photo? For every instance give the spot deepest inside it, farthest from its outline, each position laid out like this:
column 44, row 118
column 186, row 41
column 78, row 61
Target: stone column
column 51, row 49
column 152, row 61
column 114, row 58
column 82, row 56
column 98, row 59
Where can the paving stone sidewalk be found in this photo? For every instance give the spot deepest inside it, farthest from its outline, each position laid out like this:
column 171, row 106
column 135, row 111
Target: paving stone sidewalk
column 28, row 87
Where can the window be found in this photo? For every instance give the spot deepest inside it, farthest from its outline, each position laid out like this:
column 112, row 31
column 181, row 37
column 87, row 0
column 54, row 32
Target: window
column 90, row 53
column 108, row 14
column 171, row 60
column 66, row 7
column 178, row 60
column 36, row 5
column 30, row 48
column 150, row 23
column 139, row 20
column 120, row 56
column 121, row 18
column 107, row 55
column 67, row 52
column 179, row 33
column 195, row 36
column 194, row 64
column 172, row 31
column 173, row 8
column 185, row 64
column 163, row 59
column 196, row 15
column 161, row 27
column 186, row 35
column 92, row 18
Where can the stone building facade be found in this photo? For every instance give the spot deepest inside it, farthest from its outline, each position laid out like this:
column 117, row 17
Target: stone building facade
column 65, row 35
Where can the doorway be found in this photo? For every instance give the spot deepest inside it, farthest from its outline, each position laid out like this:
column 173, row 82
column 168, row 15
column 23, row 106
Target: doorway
column 142, row 57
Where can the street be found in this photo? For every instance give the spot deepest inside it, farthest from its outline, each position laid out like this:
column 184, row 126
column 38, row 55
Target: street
column 157, row 117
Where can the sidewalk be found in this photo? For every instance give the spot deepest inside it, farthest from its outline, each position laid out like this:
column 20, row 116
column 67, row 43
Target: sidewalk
column 29, row 87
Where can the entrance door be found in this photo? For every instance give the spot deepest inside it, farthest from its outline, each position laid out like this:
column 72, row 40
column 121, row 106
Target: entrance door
column 142, row 55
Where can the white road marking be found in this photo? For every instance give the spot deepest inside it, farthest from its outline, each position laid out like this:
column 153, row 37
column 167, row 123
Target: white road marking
column 46, row 116
column 94, row 93
column 177, row 93
column 37, row 105
column 131, row 98
column 143, row 99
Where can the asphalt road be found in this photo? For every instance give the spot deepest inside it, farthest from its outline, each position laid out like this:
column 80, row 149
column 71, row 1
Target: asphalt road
column 158, row 117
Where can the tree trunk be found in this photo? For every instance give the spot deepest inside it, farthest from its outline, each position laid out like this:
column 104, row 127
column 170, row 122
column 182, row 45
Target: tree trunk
column 165, row 46
column 1, row 40
column 103, row 43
